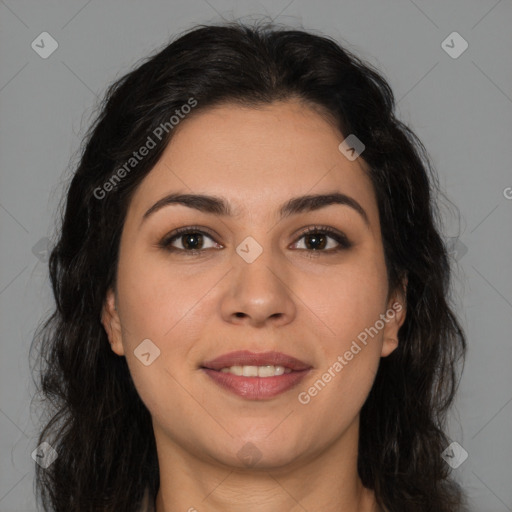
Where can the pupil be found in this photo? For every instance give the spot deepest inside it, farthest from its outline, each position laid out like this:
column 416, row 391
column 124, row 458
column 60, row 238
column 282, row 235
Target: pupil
column 315, row 239
column 192, row 240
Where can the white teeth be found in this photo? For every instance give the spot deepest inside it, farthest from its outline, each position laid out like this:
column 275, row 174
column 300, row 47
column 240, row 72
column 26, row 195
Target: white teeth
column 256, row 371
column 250, row 371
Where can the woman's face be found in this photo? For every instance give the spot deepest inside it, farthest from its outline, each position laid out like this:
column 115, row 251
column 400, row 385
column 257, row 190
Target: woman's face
column 256, row 282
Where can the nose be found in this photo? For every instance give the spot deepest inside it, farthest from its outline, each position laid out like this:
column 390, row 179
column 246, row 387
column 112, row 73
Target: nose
column 258, row 293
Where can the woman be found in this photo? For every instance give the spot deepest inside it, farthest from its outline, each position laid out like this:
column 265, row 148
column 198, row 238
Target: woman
column 251, row 291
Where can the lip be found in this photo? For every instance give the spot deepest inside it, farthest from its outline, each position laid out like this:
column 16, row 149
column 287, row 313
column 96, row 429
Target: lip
column 256, row 388
column 247, row 358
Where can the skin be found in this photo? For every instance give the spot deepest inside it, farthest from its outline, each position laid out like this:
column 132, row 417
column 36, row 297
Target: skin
column 195, row 308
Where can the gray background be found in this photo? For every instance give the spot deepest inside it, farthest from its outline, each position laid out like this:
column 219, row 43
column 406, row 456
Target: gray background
column 460, row 107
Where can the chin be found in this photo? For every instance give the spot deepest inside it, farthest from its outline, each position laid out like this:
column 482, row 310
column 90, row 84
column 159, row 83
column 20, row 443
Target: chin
column 261, row 451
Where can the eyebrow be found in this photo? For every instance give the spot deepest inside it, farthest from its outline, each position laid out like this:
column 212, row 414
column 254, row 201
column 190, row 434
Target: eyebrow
column 219, row 206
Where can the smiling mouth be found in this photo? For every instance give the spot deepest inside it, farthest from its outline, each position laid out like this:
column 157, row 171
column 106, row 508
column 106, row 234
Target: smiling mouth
column 256, row 376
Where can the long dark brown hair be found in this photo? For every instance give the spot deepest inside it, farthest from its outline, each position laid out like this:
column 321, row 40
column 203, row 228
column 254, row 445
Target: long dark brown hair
column 95, row 419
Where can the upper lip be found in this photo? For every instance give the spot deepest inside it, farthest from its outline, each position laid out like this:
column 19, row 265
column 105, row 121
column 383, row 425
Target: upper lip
column 247, row 358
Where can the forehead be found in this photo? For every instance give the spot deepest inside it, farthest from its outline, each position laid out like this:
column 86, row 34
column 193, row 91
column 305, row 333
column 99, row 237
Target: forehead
column 257, row 158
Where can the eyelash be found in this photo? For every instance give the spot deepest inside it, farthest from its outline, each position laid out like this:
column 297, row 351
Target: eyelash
column 342, row 240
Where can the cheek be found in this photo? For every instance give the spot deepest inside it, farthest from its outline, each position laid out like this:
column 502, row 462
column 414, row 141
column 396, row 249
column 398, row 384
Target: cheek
column 340, row 385
column 337, row 391
column 157, row 300
column 347, row 300
column 347, row 310
column 168, row 308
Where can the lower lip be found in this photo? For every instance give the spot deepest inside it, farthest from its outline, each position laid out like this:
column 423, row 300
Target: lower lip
column 256, row 388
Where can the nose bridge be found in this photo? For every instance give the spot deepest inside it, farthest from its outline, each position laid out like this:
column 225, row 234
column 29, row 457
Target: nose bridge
column 258, row 282
column 257, row 265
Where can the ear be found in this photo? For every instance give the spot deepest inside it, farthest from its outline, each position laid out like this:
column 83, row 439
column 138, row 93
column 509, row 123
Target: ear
column 394, row 318
column 111, row 323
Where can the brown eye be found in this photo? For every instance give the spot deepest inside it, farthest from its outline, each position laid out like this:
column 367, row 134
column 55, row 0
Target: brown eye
column 187, row 240
column 321, row 239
